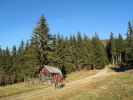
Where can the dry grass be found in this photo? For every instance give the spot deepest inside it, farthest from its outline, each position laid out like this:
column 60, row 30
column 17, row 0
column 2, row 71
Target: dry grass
column 80, row 74
column 27, row 87
column 20, row 88
column 115, row 87
column 105, row 85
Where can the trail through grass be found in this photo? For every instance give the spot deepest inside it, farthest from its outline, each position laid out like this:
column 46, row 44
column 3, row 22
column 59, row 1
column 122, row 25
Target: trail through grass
column 101, row 85
column 26, row 87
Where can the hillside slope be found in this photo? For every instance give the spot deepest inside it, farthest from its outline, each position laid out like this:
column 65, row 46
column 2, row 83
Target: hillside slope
column 46, row 92
column 95, row 87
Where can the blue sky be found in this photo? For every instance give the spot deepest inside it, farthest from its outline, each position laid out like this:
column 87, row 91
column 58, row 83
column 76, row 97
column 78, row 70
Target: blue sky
column 18, row 18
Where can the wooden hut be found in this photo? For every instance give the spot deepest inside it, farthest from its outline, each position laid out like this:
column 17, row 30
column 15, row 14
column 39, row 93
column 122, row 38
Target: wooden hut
column 51, row 74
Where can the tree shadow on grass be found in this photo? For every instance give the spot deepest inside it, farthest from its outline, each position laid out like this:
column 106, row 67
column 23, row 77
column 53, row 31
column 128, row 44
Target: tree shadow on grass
column 122, row 68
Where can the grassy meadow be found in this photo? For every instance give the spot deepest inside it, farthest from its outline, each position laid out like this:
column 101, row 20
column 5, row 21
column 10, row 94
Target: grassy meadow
column 80, row 85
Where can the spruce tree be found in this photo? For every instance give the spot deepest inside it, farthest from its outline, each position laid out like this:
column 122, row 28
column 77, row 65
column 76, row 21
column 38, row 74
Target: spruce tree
column 120, row 49
column 111, row 49
column 40, row 42
column 87, row 53
column 129, row 48
column 99, row 55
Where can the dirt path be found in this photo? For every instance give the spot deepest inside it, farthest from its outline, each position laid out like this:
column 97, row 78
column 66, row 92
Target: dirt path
column 70, row 87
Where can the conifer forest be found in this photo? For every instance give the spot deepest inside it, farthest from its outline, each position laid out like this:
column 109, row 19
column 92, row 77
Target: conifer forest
column 69, row 54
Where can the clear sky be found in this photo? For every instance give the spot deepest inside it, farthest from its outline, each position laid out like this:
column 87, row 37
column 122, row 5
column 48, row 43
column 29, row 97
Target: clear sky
column 18, row 18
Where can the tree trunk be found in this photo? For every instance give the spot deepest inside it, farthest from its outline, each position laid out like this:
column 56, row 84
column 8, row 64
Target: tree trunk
column 113, row 60
column 120, row 58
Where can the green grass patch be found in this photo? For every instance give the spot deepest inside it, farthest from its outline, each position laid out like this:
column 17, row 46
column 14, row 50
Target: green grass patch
column 126, row 77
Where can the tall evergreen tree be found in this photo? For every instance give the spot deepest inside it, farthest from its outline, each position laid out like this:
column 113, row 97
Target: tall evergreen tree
column 40, row 42
column 111, row 49
column 120, row 49
column 99, row 54
column 129, row 48
column 87, row 53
